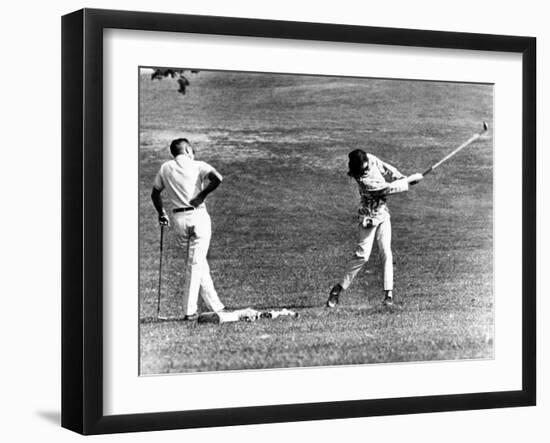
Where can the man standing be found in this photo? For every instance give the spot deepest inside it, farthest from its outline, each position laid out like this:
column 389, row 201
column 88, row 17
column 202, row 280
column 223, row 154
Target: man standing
column 187, row 183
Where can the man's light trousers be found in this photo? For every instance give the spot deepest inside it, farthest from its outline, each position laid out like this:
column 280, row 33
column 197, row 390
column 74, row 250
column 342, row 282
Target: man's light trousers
column 193, row 232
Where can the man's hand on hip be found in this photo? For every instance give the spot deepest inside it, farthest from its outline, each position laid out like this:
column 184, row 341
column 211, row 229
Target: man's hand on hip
column 197, row 201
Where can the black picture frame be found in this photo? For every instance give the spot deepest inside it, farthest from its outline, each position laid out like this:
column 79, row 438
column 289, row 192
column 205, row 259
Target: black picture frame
column 82, row 219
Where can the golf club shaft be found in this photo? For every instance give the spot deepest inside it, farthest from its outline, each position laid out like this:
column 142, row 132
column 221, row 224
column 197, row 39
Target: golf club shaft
column 468, row 142
column 160, row 268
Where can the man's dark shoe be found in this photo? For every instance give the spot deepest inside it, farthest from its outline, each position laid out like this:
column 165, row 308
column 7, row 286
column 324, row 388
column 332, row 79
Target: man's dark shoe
column 191, row 317
column 333, row 296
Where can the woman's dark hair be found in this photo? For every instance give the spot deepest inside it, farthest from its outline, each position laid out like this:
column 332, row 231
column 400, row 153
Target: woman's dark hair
column 357, row 159
column 175, row 145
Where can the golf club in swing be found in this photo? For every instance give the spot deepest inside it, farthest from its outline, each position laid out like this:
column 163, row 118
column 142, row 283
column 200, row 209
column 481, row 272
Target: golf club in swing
column 472, row 139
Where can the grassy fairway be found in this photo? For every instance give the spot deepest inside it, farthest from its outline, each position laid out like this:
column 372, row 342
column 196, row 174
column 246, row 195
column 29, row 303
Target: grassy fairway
column 284, row 221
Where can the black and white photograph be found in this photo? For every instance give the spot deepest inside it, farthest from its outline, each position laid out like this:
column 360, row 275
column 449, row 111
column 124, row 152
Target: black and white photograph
column 296, row 221
column 266, row 222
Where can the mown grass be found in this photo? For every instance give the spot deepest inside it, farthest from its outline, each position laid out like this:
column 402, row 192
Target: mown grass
column 284, row 221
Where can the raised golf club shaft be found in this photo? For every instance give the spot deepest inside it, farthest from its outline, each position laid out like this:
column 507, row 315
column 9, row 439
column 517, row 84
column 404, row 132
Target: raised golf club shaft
column 457, row 150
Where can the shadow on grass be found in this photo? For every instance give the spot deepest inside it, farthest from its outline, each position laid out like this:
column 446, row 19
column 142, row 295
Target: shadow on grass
column 271, row 307
column 371, row 310
column 152, row 320
column 149, row 320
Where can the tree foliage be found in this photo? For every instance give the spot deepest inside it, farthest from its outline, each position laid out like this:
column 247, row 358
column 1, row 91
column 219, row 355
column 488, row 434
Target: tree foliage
column 183, row 82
